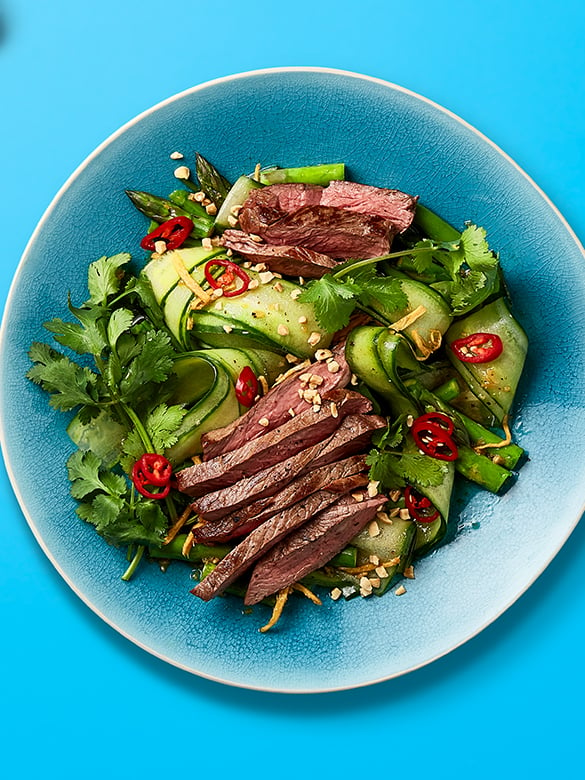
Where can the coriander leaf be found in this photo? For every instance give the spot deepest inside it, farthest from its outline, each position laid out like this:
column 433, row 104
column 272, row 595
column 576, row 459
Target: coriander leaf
column 162, row 423
column 119, row 523
column 154, row 363
column 87, row 475
column 70, row 385
column 399, row 469
column 384, row 291
column 478, row 255
column 421, row 470
column 332, row 299
column 118, row 324
column 390, row 437
column 87, row 337
column 104, row 277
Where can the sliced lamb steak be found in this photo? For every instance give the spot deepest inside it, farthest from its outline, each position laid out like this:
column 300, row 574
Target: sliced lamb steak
column 268, row 204
column 259, row 542
column 311, row 546
column 265, row 206
column 275, row 406
column 331, row 477
column 393, row 205
column 293, row 436
column 288, row 260
column 334, row 232
column 352, row 436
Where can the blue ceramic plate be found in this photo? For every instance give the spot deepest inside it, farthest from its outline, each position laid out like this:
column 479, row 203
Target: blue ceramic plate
column 389, row 137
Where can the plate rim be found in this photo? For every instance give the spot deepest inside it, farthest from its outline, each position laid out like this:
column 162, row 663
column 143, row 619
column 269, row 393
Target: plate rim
column 3, row 336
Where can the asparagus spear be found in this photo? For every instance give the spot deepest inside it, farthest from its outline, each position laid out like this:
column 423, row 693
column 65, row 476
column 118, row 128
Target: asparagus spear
column 213, row 184
column 310, row 174
column 160, row 209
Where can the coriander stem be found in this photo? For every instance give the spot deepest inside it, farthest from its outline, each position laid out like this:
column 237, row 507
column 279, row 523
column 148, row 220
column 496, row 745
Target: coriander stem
column 373, row 260
column 134, row 563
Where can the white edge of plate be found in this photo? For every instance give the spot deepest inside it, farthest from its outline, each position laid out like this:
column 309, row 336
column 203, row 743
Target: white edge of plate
column 45, row 217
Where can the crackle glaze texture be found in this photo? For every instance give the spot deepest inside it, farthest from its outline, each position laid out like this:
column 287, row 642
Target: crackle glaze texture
column 387, row 137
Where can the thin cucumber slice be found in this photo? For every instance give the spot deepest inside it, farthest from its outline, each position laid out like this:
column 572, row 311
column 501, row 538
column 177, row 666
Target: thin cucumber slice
column 215, row 408
column 496, row 381
column 270, row 314
column 162, row 273
column 235, row 197
column 394, row 542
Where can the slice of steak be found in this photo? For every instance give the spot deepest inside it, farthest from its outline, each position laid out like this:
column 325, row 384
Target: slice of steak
column 393, row 205
column 313, row 425
column 288, row 260
column 332, row 231
column 275, row 406
column 259, row 542
column 311, row 546
column 268, row 204
column 353, row 436
column 331, row 477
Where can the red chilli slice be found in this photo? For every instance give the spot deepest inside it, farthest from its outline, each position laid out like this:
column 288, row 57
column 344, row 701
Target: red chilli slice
column 478, row 347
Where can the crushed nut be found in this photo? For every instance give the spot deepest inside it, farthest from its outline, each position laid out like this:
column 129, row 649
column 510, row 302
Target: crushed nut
column 211, row 209
column 160, row 247
column 409, row 572
column 366, row 587
column 256, row 239
column 302, row 320
column 278, row 287
column 335, row 594
column 323, row 354
column 206, row 243
column 374, row 559
column 176, row 156
column 383, row 518
column 354, row 380
column 254, row 283
column 334, row 410
column 358, row 496
column 333, row 366
column 232, row 221
column 290, row 358
column 228, row 328
column 381, row 571
column 264, row 422
column 292, row 412
column 404, row 514
column 294, row 294
column 282, row 330
column 400, row 591
column 375, row 582
column 373, row 529
column 266, row 276
column 394, row 495
column 199, row 197
column 314, row 338
column 182, row 172
column 373, row 488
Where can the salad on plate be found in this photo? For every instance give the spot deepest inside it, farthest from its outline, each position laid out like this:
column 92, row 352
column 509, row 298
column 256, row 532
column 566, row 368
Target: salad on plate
column 286, row 391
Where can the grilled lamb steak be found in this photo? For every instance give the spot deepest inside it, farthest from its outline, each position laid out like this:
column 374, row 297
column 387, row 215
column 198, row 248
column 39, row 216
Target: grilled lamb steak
column 331, row 477
column 334, row 232
column 293, row 436
column 288, row 260
column 275, row 406
column 311, row 545
column 352, row 436
column 265, row 206
column 259, row 542
column 393, row 205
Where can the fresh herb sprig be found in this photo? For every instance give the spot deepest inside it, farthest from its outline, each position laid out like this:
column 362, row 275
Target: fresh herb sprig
column 395, row 465
column 125, row 360
column 470, row 269
column 468, row 274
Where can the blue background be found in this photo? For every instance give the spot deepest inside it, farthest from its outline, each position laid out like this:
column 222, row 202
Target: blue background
column 80, row 701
